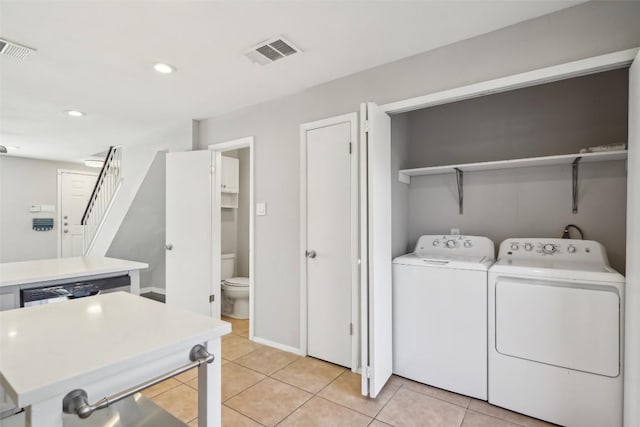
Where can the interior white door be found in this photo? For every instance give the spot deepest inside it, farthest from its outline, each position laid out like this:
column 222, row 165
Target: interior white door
column 329, row 280
column 75, row 190
column 189, row 261
column 376, row 290
column 632, row 292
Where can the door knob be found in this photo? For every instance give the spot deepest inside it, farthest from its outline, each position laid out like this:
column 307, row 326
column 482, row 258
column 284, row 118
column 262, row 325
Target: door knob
column 168, row 246
column 310, row 254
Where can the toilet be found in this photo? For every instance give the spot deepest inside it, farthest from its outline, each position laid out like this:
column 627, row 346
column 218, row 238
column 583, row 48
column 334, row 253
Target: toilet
column 235, row 290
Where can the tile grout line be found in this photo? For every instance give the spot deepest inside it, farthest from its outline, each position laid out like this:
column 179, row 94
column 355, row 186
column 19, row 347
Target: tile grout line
column 375, row 417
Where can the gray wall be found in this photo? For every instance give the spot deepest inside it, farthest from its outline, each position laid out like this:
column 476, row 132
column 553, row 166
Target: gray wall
column 528, row 202
column 242, row 257
column 141, row 236
column 555, row 118
column 24, row 182
column 545, row 120
column 583, row 31
column 399, row 191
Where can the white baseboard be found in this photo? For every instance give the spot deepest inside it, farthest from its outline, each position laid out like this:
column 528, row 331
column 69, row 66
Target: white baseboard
column 279, row 346
column 154, row 289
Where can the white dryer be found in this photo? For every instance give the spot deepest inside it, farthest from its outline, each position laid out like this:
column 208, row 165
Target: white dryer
column 440, row 313
column 556, row 331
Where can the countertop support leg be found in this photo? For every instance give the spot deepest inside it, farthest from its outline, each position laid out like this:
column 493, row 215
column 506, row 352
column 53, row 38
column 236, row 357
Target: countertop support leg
column 45, row 414
column 135, row 281
column 209, row 388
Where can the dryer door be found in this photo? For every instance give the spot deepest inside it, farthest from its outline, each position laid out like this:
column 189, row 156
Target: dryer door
column 569, row 325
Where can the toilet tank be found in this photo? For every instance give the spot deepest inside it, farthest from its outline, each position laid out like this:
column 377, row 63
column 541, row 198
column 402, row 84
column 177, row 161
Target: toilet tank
column 227, row 266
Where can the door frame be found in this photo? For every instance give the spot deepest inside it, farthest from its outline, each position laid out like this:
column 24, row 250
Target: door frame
column 352, row 119
column 59, row 203
column 216, row 240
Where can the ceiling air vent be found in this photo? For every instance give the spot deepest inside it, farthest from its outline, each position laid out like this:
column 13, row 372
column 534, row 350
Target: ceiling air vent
column 272, row 50
column 15, row 50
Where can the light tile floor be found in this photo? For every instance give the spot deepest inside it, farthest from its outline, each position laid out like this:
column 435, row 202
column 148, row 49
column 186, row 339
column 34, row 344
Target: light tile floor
column 265, row 386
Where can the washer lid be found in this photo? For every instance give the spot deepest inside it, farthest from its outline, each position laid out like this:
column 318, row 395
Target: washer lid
column 557, row 269
column 459, row 262
column 237, row 281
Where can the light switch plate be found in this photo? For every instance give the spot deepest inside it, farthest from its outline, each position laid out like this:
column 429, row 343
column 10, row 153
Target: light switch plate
column 48, row 208
column 34, row 208
column 261, row 209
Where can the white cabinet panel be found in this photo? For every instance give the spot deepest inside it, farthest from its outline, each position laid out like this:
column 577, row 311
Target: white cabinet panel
column 230, row 175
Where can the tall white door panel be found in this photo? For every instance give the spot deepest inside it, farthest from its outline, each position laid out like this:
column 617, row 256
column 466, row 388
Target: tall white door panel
column 189, row 263
column 329, row 281
column 75, row 190
column 376, row 290
column 632, row 296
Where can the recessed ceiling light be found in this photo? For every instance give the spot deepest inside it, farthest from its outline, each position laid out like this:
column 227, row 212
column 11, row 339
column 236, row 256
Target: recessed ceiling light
column 92, row 163
column 75, row 113
column 164, row 68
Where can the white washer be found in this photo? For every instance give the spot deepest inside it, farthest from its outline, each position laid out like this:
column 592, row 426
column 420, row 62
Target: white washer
column 555, row 332
column 440, row 313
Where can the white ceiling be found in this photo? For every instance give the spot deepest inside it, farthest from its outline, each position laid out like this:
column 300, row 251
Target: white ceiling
column 97, row 56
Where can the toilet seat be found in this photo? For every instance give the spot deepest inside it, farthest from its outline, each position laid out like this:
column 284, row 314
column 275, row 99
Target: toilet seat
column 237, row 282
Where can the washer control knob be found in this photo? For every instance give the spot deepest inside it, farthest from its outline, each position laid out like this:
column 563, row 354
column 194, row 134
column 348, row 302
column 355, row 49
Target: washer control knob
column 549, row 248
column 436, row 243
column 571, row 249
column 514, row 246
column 451, row 243
column 528, row 246
column 467, row 244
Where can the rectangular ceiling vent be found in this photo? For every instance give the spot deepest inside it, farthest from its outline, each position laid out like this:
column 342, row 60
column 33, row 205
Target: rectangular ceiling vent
column 271, row 50
column 14, row 50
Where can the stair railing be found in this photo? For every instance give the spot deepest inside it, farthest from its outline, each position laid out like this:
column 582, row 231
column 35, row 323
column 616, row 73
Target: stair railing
column 106, row 187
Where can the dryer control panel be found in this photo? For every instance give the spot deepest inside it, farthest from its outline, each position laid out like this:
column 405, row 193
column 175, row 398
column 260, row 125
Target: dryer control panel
column 444, row 244
column 560, row 249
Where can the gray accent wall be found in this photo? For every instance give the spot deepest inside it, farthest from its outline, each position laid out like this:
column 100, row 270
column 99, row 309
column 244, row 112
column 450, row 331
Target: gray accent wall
column 583, row 31
column 242, row 257
column 545, row 120
column 399, row 191
column 550, row 119
column 24, row 182
column 141, row 236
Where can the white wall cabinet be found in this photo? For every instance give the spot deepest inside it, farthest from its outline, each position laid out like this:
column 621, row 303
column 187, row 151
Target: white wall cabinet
column 230, row 175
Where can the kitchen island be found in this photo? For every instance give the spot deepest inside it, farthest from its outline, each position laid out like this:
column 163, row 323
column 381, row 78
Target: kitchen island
column 16, row 276
column 104, row 345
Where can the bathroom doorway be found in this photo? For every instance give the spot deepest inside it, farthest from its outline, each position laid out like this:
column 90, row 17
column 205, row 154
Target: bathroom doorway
column 233, row 237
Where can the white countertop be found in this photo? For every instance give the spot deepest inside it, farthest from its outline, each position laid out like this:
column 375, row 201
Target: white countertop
column 51, row 349
column 24, row 272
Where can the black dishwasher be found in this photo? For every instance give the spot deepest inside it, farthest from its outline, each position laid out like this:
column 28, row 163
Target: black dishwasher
column 77, row 289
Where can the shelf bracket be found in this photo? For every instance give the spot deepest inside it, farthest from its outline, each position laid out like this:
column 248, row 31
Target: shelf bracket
column 574, row 178
column 459, row 177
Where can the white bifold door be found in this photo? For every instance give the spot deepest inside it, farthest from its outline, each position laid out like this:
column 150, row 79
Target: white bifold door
column 632, row 304
column 189, row 217
column 375, row 252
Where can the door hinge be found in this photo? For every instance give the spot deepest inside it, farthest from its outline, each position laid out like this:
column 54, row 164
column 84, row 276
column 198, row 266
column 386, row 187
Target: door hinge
column 212, row 298
column 351, row 329
column 350, row 147
column 365, row 125
column 366, row 371
column 213, row 170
